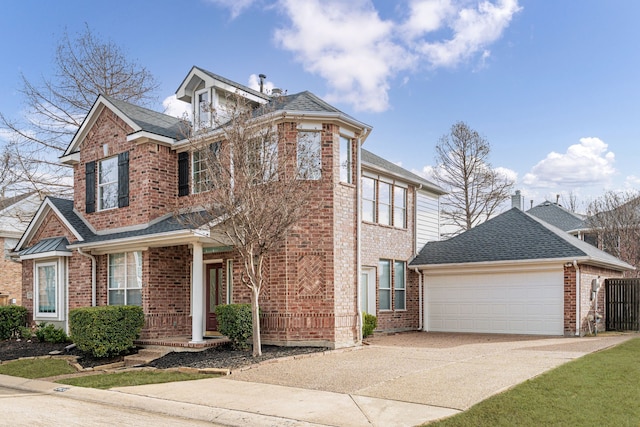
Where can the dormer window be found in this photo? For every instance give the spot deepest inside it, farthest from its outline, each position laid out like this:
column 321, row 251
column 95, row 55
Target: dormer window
column 202, row 116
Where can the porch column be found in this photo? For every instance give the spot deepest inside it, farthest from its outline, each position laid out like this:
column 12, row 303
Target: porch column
column 197, row 295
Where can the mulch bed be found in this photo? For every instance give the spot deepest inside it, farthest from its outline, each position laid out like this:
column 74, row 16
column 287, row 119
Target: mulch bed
column 218, row 357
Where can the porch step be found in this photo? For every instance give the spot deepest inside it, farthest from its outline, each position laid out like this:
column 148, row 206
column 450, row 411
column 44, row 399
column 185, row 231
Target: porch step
column 145, row 355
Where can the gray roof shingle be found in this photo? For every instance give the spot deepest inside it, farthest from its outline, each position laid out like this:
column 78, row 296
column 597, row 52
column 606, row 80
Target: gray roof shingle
column 558, row 216
column 152, row 121
column 512, row 236
column 377, row 162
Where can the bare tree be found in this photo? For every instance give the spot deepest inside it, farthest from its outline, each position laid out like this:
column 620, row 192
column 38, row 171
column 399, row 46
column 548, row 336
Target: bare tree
column 615, row 219
column 463, row 169
column 84, row 67
column 253, row 175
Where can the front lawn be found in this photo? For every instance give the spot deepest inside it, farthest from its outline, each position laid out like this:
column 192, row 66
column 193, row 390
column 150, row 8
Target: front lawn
column 600, row 389
column 130, row 378
column 36, row 368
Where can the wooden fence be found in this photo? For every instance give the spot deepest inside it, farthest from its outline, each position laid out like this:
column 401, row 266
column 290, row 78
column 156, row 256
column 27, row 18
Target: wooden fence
column 622, row 302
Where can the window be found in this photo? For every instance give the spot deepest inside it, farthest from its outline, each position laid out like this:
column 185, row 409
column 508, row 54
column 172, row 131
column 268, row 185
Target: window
column 125, row 278
column 384, row 286
column 309, row 155
column 202, row 167
column 346, row 160
column 384, row 203
column 202, row 117
column 368, row 199
column 46, row 289
column 399, row 207
column 399, row 286
column 108, row 183
column 229, row 281
column 263, row 158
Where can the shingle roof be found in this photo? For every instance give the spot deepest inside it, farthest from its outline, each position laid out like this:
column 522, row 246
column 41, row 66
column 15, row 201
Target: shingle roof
column 512, row 236
column 152, row 121
column 5, row 203
column 377, row 162
column 65, row 207
column 232, row 83
column 558, row 216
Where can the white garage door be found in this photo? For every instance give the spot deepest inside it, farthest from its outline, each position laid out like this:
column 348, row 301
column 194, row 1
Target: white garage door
column 504, row 303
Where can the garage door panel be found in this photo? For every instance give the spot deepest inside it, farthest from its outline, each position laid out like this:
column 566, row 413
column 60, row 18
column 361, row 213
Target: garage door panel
column 519, row 303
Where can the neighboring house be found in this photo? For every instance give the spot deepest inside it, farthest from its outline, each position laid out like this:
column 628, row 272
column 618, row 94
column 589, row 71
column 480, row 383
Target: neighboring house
column 119, row 240
column 15, row 214
column 514, row 274
column 570, row 222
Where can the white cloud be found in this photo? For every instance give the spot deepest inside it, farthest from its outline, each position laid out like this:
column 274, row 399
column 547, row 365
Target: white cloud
column 235, row 6
column 358, row 53
column 632, row 182
column 585, row 164
column 176, row 108
column 507, row 173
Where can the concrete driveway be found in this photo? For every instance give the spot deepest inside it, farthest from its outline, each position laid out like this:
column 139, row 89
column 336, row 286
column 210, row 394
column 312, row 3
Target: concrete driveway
column 397, row 380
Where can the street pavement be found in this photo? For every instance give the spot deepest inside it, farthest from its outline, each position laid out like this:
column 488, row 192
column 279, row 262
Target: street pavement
column 399, row 380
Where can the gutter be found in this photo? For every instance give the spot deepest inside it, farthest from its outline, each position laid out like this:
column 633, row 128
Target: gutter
column 575, row 266
column 420, row 304
column 93, row 276
column 358, row 241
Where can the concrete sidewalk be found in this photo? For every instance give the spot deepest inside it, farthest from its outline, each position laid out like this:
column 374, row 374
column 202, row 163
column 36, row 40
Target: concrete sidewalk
column 403, row 380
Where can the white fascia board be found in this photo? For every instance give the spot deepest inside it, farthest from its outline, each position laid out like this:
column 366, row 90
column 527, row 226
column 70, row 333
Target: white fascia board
column 51, row 254
column 125, row 244
column 70, row 159
column 142, row 136
column 340, row 118
column 495, row 266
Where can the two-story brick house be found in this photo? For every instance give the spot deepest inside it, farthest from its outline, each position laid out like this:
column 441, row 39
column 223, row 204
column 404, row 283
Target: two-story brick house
column 120, row 241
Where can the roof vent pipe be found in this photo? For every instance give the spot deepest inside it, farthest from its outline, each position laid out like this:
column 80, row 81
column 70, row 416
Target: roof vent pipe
column 262, row 77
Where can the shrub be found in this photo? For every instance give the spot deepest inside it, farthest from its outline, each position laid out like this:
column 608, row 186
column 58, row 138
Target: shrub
column 369, row 324
column 47, row 332
column 234, row 321
column 25, row 332
column 105, row 331
column 12, row 318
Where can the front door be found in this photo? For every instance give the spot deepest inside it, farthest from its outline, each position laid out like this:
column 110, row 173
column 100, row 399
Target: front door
column 213, row 274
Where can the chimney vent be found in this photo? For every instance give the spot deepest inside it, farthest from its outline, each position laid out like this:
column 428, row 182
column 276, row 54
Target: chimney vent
column 262, row 77
column 517, row 201
column 276, row 91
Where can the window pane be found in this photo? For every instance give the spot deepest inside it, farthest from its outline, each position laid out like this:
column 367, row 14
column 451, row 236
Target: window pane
column 125, row 278
column 384, row 203
column 116, row 271
column 46, row 289
column 203, row 108
column 384, row 294
column 116, row 297
column 108, row 183
column 368, row 199
column 309, row 155
column 345, row 160
column 399, row 207
column 399, row 285
column 134, row 297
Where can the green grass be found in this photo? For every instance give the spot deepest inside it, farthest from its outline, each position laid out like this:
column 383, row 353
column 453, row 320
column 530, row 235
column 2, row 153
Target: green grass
column 36, row 368
column 130, row 378
column 600, row 389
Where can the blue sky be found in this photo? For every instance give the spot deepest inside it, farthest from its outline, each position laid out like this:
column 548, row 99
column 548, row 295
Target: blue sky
column 553, row 85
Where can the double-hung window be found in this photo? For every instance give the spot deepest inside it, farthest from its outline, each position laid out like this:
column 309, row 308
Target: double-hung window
column 125, row 278
column 346, row 160
column 399, row 286
column 399, row 207
column 392, row 281
column 108, row 183
column 202, row 109
column 384, row 203
column 368, row 199
column 309, row 155
column 204, row 166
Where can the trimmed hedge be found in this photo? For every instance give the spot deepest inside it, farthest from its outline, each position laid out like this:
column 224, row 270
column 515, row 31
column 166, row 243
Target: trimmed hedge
column 47, row 332
column 12, row 318
column 234, row 321
column 105, row 331
column 369, row 324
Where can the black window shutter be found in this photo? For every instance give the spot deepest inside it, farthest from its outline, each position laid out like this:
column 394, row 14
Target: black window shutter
column 183, row 174
column 90, row 187
column 123, row 179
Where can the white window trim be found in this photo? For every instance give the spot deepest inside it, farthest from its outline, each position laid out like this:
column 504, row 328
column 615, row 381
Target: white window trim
column 390, row 288
column 126, row 281
column 229, row 299
column 349, row 160
column 60, row 275
column 395, row 289
column 104, row 184
column 298, row 141
column 197, row 121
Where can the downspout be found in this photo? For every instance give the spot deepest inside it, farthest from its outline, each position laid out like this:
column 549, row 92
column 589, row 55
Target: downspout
column 358, row 239
column 93, row 276
column 420, row 320
column 575, row 266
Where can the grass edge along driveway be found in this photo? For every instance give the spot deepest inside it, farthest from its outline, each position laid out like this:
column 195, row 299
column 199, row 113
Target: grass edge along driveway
column 599, row 389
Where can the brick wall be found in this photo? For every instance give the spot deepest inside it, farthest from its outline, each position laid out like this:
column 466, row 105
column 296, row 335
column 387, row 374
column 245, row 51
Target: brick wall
column 10, row 277
column 386, row 242
column 153, row 175
column 587, row 304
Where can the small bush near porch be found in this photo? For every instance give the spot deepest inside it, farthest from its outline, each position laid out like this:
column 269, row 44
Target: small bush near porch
column 107, row 330
column 234, row 321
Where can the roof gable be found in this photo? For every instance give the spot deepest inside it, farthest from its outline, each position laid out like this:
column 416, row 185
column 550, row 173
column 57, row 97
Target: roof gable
column 199, row 76
column 513, row 236
column 558, row 216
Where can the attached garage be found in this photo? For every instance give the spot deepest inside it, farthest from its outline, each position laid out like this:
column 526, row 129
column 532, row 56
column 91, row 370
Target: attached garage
column 496, row 301
column 514, row 274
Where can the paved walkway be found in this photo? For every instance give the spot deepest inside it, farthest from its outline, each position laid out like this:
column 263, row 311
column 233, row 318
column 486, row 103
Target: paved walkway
column 399, row 380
